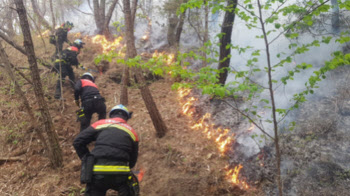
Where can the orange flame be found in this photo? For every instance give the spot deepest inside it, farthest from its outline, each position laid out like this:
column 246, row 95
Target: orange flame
column 168, row 57
column 233, row 174
column 107, row 45
column 222, row 137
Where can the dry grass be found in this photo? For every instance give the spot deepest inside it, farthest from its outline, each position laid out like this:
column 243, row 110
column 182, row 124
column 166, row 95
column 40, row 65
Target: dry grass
column 182, row 163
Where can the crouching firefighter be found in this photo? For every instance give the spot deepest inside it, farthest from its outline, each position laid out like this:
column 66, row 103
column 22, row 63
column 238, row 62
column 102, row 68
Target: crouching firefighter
column 68, row 59
column 108, row 165
column 91, row 100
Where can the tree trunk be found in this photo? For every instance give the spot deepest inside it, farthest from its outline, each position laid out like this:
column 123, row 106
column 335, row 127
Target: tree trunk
column 9, row 21
column 172, row 23
column 273, row 104
column 124, row 90
column 99, row 15
column 39, row 15
column 206, row 34
column 335, row 16
column 53, row 18
column 55, row 152
column 180, row 27
column 21, row 94
column 133, row 11
column 108, row 19
column 226, row 30
column 157, row 120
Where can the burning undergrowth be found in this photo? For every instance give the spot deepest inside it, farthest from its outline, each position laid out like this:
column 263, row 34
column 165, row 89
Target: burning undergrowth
column 197, row 108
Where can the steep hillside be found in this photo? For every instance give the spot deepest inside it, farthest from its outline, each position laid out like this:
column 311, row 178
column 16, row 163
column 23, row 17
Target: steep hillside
column 183, row 162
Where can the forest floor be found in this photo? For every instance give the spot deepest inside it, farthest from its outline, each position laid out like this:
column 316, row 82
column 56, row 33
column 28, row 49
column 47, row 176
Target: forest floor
column 183, row 163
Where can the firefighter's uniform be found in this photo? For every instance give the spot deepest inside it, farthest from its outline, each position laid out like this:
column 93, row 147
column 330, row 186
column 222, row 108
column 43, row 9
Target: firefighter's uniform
column 115, row 152
column 61, row 37
column 92, row 101
column 68, row 59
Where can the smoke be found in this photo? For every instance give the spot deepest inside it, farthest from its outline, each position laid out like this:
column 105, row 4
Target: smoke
column 244, row 37
column 83, row 20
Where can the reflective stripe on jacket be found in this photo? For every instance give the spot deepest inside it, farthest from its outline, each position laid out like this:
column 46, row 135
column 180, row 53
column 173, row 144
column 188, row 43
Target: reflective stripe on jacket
column 116, row 144
column 111, row 169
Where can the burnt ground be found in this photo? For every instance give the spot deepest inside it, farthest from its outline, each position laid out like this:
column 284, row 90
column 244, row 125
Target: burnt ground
column 182, row 163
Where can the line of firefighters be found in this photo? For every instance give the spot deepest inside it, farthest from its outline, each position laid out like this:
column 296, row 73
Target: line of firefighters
column 108, row 165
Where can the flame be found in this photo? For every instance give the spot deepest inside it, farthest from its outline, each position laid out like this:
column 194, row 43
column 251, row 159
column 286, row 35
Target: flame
column 233, row 173
column 145, row 37
column 168, row 57
column 107, row 45
column 222, row 137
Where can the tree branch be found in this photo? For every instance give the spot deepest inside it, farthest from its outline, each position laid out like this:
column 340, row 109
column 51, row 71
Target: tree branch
column 298, row 20
column 249, row 118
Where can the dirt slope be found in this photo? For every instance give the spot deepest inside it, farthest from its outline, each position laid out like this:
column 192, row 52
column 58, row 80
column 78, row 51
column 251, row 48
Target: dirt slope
column 182, row 163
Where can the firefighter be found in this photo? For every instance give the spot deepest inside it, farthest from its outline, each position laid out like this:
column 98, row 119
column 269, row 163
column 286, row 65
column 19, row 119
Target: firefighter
column 68, row 59
column 61, row 36
column 91, row 100
column 115, row 152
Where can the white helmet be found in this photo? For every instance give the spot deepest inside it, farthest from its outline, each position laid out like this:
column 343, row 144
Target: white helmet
column 122, row 108
column 89, row 74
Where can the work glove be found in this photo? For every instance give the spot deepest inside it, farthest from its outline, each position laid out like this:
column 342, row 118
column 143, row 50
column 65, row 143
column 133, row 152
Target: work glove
column 77, row 102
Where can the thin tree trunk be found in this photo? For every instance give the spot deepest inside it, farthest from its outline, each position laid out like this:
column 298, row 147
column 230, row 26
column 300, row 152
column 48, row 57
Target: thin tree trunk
column 21, row 94
column 179, row 28
column 9, row 20
column 39, row 15
column 206, row 33
column 124, row 90
column 99, row 15
column 157, row 120
column 225, row 40
column 133, row 11
column 172, row 23
column 108, row 19
column 103, row 11
column 335, row 16
column 273, row 105
column 52, row 17
column 55, row 152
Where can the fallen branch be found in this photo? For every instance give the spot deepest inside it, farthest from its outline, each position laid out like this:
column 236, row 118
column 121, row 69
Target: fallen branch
column 10, row 159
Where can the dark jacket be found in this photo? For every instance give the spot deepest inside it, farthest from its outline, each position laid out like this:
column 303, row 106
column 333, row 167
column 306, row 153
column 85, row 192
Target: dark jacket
column 62, row 34
column 115, row 141
column 69, row 57
column 86, row 89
